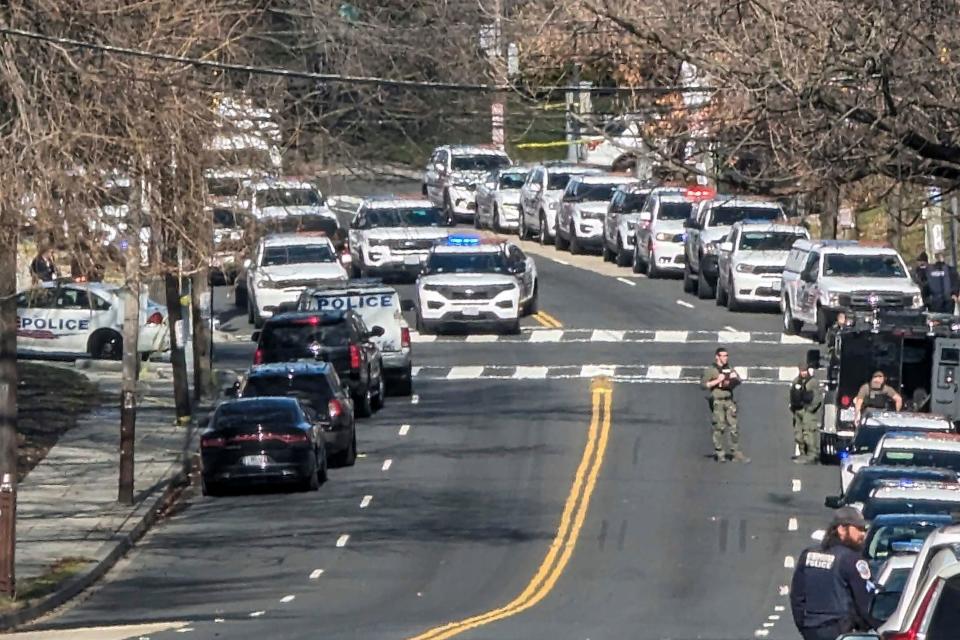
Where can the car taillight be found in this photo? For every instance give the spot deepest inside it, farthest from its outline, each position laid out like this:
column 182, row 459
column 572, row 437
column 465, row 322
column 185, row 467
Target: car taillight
column 593, row 144
column 211, row 441
column 258, row 356
column 844, row 401
column 155, row 318
column 335, row 409
column 354, row 356
column 912, row 632
column 405, row 337
column 287, row 438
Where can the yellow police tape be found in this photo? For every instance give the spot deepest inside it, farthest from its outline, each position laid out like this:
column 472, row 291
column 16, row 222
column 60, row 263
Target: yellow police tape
column 547, row 145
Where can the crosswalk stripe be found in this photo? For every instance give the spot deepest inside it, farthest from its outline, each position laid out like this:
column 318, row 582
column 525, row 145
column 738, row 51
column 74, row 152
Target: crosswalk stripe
column 732, row 336
column 483, row 337
column 666, row 336
column 622, row 373
column 670, row 336
column 594, row 370
column 546, row 335
column 664, row 372
column 530, row 373
column 603, row 335
column 464, row 373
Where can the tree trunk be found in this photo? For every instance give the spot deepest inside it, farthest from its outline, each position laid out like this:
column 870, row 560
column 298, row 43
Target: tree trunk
column 202, row 338
column 829, row 207
column 131, row 355
column 178, row 360
column 8, row 389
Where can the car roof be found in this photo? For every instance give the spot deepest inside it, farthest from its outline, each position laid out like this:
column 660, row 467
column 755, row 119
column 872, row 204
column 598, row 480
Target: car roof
column 740, row 201
column 474, row 150
column 917, row 490
column 759, row 225
column 912, row 440
column 85, row 286
column 323, row 317
column 286, row 239
column 393, row 202
column 605, row 178
column 280, row 183
column 880, row 418
column 907, row 518
column 899, row 470
column 275, row 369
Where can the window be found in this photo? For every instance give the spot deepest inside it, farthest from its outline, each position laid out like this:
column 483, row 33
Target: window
column 479, row 162
column 881, row 544
column 726, row 215
column 282, row 342
column 946, row 617
column 674, row 211
column 767, row 240
column 37, row 299
column 634, row 202
column 77, row 299
column 297, row 254
column 512, row 180
column 314, row 387
column 401, row 217
column 288, row 198
column 485, row 262
column 840, row 265
column 921, row 458
column 812, row 266
column 250, row 414
column 558, row 181
column 594, row 192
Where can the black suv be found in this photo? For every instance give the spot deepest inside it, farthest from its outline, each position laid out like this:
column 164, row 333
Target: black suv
column 318, row 388
column 338, row 337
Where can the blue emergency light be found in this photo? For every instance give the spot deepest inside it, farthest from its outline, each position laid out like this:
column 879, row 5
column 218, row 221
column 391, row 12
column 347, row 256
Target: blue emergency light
column 463, row 241
column 844, row 454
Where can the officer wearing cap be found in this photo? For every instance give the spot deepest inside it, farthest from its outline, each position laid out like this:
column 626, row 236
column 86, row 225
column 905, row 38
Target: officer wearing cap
column 805, row 402
column 719, row 380
column 828, row 595
column 877, row 394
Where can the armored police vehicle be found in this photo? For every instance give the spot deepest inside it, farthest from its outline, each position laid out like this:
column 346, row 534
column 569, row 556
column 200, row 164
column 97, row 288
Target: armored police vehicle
column 918, row 352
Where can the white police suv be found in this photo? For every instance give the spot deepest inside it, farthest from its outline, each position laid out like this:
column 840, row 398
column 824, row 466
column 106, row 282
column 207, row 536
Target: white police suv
column 73, row 320
column 451, row 176
column 473, row 282
column 750, row 262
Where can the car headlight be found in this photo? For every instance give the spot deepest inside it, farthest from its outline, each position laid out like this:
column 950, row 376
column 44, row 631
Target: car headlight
column 745, row 268
column 833, row 299
column 553, row 206
column 665, row 237
column 375, row 242
column 917, row 301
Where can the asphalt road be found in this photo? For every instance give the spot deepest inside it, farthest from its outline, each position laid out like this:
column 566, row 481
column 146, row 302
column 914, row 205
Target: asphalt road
column 508, row 508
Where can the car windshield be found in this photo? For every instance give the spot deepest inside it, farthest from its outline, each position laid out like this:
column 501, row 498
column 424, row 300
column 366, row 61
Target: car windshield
column 921, row 458
column 485, row 262
column 250, row 414
column 512, row 180
column 298, row 224
column 557, row 181
column 768, row 240
column 897, row 579
column 226, row 219
column 223, row 187
column 314, row 387
column 876, row 508
column 483, row 162
column 866, row 481
column 297, row 254
column 288, row 198
column 289, row 341
column 881, row 539
column 868, row 437
column 674, row 210
column 838, row 265
column 633, row 202
column 247, row 158
column 726, row 215
column 593, row 192
column 404, row 217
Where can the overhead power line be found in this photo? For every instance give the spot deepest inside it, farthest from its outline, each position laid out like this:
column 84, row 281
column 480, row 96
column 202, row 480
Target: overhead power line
column 323, row 77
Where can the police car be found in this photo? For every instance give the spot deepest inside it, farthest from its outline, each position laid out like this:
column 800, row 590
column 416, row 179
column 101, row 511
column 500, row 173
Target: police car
column 83, row 320
column 379, row 306
column 471, row 282
column 279, row 198
column 751, row 260
column 283, row 265
column 583, row 210
column 451, row 176
column 392, row 236
column 498, row 198
column 912, row 496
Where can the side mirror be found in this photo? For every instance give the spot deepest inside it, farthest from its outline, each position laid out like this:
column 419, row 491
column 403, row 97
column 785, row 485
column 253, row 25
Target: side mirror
column 255, row 336
column 646, row 216
column 726, row 246
column 813, row 358
column 438, row 167
column 376, row 331
column 247, row 262
column 833, row 502
column 407, row 305
column 536, row 187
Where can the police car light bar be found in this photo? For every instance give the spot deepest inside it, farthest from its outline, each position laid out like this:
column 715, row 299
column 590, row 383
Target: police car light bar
column 700, row 193
column 463, row 241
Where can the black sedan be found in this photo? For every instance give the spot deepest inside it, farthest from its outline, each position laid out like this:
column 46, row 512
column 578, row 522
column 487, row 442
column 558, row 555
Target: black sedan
column 261, row 440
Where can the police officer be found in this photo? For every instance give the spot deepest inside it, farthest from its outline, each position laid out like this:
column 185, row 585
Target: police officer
column 829, row 594
column 840, row 321
column 877, row 394
column 942, row 286
column 719, row 380
column 805, row 402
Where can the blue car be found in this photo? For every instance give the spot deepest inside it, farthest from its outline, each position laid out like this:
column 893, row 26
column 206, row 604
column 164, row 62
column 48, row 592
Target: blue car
column 893, row 534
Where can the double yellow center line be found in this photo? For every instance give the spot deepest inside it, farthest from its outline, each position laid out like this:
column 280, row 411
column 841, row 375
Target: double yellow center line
column 571, row 522
column 547, row 320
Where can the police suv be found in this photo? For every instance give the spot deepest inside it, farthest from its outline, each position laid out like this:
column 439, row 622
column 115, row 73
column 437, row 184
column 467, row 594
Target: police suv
column 540, row 198
column 392, row 236
column 379, row 306
column 619, row 224
column 452, row 173
column 283, row 265
column 751, row 260
column 824, row 276
column 658, row 236
column 278, row 198
column 80, row 320
column 469, row 282
column 583, row 209
column 498, row 199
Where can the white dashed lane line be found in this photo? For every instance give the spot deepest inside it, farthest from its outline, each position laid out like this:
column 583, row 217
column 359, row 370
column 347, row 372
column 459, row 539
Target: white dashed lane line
column 342, row 540
column 257, row 614
column 563, row 262
column 625, row 281
column 404, row 429
column 414, row 399
column 387, row 464
column 684, row 303
column 365, row 502
column 779, row 607
column 796, row 485
column 789, row 562
column 792, row 524
column 316, row 573
column 288, row 598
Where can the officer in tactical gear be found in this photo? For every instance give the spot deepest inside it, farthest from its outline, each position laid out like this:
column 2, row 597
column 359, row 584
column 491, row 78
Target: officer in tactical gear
column 829, row 595
column 942, row 286
column 719, row 380
column 840, row 321
column 877, row 394
column 805, row 402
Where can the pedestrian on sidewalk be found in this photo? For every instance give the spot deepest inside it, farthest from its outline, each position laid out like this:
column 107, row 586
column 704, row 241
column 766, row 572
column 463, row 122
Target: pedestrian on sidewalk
column 43, row 267
column 805, row 402
column 828, row 595
column 719, row 380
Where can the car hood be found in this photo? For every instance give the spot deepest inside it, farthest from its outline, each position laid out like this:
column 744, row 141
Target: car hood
column 764, row 258
column 472, row 177
column 510, row 196
column 854, row 463
column 407, row 233
column 280, row 212
column 593, row 207
column 303, row 271
column 467, row 279
column 846, row 285
column 712, row 234
column 668, row 226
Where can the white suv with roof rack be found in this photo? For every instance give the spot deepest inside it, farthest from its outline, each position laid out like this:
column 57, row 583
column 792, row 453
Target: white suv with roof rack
column 659, row 233
column 822, row 277
column 751, row 261
column 284, row 197
column 583, row 210
column 540, row 198
column 452, row 173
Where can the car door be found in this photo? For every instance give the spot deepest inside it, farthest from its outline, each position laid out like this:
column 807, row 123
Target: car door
column 809, row 287
column 565, row 212
column 528, row 195
column 357, row 225
column 369, row 347
column 520, row 265
column 31, row 305
column 725, row 259
column 612, row 219
column 486, row 194
column 438, row 170
column 644, row 228
column 693, row 238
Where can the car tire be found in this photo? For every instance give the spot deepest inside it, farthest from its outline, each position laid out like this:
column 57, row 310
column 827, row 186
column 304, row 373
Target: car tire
column 732, row 303
column 689, row 282
column 364, row 404
column 512, row 328
column 208, row 488
column 495, row 224
column 575, row 248
column 106, row 345
column 722, row 294
column 522, row 232
column 705, row 290
column 423, row 189
column 322, row 475
column 533, row 304
column 607, row 252
column 823, row 323
column 422, row 327
column 347, row 458
column 240, row 297
column 791, row 326
column 404, row 385
column 354, row 270
column 559, row 241
column 622, row 258
column 448, row 208
column 476, row 220
column 638, row 265
column 381, row 398
column 545, row 237
column 653, row 271
column 312, row 481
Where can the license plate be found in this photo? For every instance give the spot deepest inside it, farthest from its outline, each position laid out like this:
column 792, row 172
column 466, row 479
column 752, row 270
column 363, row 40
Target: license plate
column 255, row 461
column 412, row 261
column 470, row 311
column 847, row 415
column 777, row 285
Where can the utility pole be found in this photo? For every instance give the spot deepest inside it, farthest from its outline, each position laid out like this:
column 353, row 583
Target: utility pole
column 954, row 205
column 131, row 339
column 9, row 230
column 498, row 109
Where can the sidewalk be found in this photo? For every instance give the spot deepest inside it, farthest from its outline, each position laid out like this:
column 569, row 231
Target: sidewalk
column 67, row 506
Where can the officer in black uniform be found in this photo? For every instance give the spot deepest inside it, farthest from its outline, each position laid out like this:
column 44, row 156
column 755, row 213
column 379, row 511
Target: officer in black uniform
column 829, row 594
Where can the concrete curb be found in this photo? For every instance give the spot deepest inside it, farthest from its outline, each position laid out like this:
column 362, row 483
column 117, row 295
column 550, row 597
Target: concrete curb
column 136, row 525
